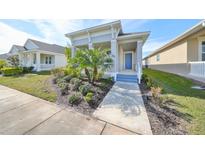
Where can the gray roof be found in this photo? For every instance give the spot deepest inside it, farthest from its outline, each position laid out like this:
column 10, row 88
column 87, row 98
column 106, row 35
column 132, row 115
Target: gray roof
column 48, row 47
column 4, row 56
column 21, row 48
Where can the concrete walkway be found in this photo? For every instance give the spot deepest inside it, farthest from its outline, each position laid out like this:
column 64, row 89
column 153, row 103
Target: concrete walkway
column 123, row 106
column 21, row 113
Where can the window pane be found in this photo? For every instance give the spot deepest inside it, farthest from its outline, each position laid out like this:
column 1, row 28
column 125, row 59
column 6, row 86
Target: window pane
column 203, row 48
column 49, row 60
column 46, row 60
column 203, row 56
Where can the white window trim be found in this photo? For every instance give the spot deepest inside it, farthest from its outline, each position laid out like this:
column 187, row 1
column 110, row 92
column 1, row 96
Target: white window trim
column 200, row 40
column 125, row 52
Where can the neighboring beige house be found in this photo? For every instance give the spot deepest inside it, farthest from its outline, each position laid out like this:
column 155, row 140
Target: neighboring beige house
column 40, row 55
column 126, row 48
column 185, row 55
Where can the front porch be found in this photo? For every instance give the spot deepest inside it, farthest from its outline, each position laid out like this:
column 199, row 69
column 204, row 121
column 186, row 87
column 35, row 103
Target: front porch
column 39, row 61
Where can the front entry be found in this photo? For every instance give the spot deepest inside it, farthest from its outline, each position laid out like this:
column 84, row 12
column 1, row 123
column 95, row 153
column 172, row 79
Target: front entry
column 128, row 61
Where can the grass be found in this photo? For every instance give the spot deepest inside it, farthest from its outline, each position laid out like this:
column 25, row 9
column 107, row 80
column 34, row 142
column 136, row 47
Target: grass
column 191, row 101
column 36, row 84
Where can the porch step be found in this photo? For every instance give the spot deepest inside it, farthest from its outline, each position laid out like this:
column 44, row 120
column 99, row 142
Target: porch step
column 126, row 78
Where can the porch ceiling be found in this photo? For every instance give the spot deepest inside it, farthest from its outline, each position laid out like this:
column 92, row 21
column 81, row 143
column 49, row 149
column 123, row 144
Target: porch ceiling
column 129, row 46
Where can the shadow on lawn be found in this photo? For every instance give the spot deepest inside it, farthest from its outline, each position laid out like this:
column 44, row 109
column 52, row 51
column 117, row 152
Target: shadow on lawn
column 169, row 106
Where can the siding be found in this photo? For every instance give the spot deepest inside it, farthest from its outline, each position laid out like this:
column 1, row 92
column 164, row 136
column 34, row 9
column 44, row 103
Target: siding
column 192, row 50
column 172, row 55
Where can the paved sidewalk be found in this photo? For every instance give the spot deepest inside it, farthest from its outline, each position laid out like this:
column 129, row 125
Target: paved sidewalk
column 123, row 106
column 21, row 113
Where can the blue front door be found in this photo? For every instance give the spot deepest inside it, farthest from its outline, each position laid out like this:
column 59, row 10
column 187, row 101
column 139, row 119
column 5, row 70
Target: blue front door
column 128, row 61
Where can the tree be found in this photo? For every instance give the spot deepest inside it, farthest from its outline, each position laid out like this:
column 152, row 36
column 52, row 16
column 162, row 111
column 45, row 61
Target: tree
column 93, row 60
column 14, row 60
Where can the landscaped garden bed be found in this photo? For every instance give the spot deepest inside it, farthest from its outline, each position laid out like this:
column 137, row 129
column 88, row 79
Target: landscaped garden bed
column 173, row 107
column 79, row 94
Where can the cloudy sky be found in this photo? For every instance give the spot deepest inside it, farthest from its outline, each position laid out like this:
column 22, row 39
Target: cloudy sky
column 52, row 31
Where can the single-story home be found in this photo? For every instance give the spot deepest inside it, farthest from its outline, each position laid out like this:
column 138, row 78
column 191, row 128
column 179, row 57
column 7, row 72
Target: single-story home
column 184, row 55
column 126, row 48
column 40, row 55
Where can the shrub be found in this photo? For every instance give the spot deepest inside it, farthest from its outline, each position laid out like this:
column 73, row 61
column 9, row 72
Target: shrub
column 156, row 91
column 67, row 78
column 60, row 81
column 13, row 60
column 84, row 89
column 73, row 71
column 2, row 63
column 73, row 80
column 149, row 81
column 76, row 83
column 27, row 69
column 64, row 87
column 89, row 97
column 8, row 71
column 58, row 72
column 75, row 98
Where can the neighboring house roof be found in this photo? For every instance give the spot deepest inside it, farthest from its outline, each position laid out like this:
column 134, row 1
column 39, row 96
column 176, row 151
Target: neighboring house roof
column 16, row 47
column 21, row 48
column 48, row 47
column 4, row 56
column 187, row 33
column 40, row 46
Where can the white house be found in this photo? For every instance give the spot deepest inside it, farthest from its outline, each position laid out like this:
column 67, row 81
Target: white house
column 40, row 55
column 126, row 48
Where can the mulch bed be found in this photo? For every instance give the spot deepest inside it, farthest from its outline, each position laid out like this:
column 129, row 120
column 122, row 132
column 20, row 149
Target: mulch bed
column 83, row 107
column 163, row 117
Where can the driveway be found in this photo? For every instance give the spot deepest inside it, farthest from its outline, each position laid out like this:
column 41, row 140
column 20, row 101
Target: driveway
column 21, row 113
column 123, row 106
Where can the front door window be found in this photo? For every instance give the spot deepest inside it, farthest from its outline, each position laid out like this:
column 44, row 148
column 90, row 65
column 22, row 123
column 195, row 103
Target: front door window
column 128, row 61
column 203, row 51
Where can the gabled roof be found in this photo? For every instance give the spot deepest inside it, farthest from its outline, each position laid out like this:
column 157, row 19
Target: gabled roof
column 187, row 33
column 95, row 28
column 21, row 48
column 18, row 47
column 141, row 35
column 48, row 47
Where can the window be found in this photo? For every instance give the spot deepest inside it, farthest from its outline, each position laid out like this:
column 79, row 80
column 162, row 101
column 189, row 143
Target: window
column 203, row 51
column 46, row 60
column 34, row 59
column 158, row 57
column 49, row 60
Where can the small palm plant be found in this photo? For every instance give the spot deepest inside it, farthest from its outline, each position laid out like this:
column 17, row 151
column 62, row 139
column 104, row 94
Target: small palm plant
column 93, row 60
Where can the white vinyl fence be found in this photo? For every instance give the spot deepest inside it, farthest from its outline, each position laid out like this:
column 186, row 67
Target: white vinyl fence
column 197, row 68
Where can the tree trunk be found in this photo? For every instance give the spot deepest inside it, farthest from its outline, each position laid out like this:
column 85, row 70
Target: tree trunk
column 88, row 75
column 95, row 72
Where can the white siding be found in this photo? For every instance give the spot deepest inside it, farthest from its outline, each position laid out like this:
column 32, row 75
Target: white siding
column 60, row 61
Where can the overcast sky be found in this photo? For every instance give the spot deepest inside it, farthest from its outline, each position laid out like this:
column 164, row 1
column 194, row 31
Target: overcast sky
column 52, row 31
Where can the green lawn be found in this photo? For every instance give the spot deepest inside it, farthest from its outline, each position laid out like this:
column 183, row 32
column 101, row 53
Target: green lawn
column 191, row 102
column 36, row 84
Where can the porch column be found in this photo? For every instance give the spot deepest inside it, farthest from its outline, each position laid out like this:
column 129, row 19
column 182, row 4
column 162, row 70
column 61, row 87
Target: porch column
column 38, row 61
column 73, row 49
column 114, row 53
column 139, row 60
column 90, row 46
column 20, row 59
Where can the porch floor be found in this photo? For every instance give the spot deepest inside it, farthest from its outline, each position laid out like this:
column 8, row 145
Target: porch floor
column 128, row 72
